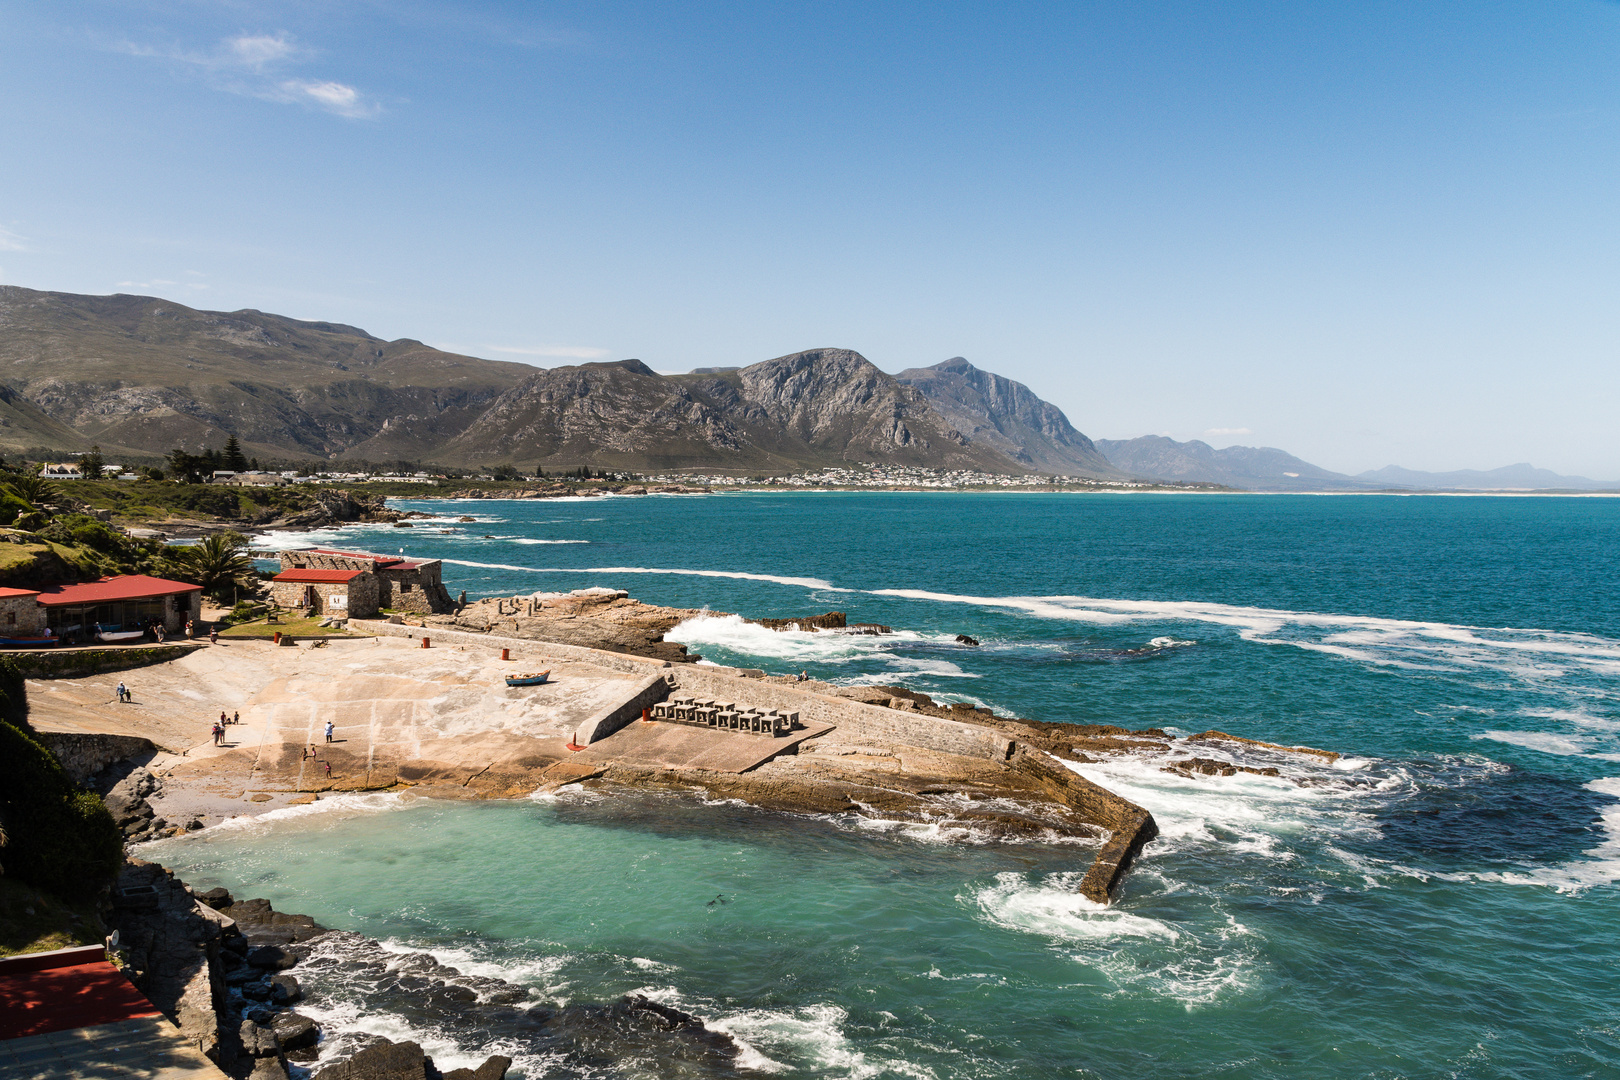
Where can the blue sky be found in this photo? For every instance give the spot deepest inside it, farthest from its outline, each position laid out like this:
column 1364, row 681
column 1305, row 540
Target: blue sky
column 1365, row 233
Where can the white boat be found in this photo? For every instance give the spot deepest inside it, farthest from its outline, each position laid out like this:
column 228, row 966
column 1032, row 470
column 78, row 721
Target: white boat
column 103, row 634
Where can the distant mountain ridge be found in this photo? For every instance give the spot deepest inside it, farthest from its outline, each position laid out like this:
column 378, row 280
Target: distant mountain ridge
column 1265, row 468
column 807, row 409
column 1520, row 477
column 145, row 374
column 998, row 412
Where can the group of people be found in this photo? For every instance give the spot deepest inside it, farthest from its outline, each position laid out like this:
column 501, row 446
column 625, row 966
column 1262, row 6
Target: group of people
column 123, row 692
column 219, row 725
column 310, row 751
column 191, row 632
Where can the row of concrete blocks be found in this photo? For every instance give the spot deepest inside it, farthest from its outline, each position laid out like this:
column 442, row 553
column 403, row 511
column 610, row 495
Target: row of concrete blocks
column 725, row 716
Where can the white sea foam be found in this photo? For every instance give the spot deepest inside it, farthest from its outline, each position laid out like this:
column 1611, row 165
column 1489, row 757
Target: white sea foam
column 811, row 1037
column 803, row 583
column 360, row 803
column 539, row 971
column 1054, row 908
column 1363, row 638
column 795, row 647
column 1545, row 741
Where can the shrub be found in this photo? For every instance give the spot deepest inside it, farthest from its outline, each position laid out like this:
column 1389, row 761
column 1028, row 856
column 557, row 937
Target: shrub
column 13, row 695
column 52, row 835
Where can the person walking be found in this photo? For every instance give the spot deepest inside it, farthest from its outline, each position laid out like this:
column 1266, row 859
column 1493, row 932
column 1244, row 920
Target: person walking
column 190, row 629
column 328, row 765
column 123, row 692
column 236, row 717
column 219, row 733
column 329, row 731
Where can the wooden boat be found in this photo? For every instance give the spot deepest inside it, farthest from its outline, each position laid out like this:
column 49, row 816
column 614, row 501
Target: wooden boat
column 29, row 642
column 537, row 678
column 103, row 634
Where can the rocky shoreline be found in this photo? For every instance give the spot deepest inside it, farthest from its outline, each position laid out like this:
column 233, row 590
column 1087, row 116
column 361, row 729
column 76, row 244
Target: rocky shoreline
column 232, row 974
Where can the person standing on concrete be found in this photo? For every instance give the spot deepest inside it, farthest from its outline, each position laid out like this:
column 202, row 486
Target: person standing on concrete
column 123, row 692
column 236, row 717
column 329, row 731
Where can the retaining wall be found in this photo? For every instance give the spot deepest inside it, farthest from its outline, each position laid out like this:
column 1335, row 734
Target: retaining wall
column 83, row 754
column 71, row 663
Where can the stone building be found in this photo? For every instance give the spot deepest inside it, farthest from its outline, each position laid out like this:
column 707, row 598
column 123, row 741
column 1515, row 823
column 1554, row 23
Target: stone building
column 327, row 591
column 413, row 585
column 20, row 614
column 127, row 602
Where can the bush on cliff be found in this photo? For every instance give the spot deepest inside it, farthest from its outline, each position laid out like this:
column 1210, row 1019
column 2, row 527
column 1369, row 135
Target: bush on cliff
column 13, row 695
column 53, row 835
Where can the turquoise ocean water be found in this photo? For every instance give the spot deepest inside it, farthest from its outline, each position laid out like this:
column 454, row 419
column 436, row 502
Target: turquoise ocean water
column 1441, row 902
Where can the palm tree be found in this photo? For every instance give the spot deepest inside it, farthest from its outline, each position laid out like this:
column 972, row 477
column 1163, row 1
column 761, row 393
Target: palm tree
column 219, row 561
column 31, row 489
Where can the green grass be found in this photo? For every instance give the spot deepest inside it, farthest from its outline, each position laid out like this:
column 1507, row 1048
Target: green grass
column 35, row 921
column 297, row 626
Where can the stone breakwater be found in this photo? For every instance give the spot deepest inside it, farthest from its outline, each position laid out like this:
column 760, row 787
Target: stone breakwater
column 900, row 764
column 233, row 974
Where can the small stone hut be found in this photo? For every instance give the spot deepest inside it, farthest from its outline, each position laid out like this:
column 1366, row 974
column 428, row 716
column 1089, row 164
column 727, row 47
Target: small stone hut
column 20, row 614
column 327, row 592
column 413, row 585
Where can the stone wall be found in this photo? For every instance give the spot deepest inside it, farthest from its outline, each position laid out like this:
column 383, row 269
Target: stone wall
column 178, row 607
column 653, row 689
column 418, row 589
column 83, row 754
column 357, row 598
column 21, row 616
column 63, row 663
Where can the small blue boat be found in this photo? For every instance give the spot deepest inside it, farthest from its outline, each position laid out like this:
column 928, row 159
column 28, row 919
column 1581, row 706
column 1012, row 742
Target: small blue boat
column 29, row 642
column 536, row 679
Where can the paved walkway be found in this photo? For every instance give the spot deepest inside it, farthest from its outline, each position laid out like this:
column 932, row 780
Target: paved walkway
column 147, row 1048
column 661, row 744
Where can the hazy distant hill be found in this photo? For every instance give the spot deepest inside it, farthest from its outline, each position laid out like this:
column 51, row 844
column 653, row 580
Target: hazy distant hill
column 1522, row 476
column 150, row 374
column 813, row 408
column 997, row 412
column 1252, row 468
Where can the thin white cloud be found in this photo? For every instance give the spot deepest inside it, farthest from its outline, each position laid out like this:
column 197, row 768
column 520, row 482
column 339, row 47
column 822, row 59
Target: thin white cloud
column 1218, row 431
column 252, row 65
column 334, row 97
column 568, row 352
column 10, row 241
column 259, row 51
column 159, row 283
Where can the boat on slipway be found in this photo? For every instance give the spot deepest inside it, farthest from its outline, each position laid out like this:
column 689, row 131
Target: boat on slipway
column 537, row 678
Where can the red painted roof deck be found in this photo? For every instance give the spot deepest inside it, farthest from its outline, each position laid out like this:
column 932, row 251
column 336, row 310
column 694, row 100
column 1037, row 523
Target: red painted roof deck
column 69, row 988
column 110, row 590
column 318, row 577
column 6, row 594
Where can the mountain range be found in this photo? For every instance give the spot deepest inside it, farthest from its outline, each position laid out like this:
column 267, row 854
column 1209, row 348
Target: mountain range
column 139, row 375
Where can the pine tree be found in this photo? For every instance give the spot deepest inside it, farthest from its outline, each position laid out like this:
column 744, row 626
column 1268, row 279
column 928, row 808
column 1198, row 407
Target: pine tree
column 234, row 459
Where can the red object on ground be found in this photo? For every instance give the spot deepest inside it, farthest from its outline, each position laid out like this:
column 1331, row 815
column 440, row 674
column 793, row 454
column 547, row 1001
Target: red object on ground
column 318, row 577
column 425, row 644
column 107, row 590
column 278, row 637
column 83, row 991
column 506, row 654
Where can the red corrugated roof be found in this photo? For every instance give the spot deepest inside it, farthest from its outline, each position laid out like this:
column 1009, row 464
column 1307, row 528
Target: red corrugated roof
column 318, row 577
column 107, row 590
column 6, row 593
